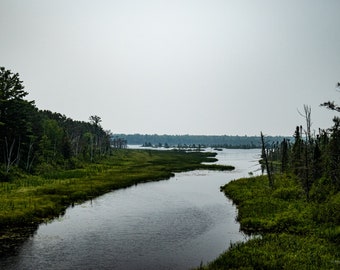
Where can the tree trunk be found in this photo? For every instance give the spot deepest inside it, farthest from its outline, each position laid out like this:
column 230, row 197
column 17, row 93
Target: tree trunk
column 265, row 157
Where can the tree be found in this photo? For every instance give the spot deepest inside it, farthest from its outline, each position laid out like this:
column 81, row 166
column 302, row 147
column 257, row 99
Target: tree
column 297, row 153
column 330, row 104
column 333, row 151
column 265, row 160
column 16, row 115
column 51, row 141
column 334, row 154
column 95, row 120
column 284, row 156
column 10, row 86
column 102, row 138
column 30, row 137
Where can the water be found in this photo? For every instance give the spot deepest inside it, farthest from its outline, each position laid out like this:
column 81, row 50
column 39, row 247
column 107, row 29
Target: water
column 172, row 224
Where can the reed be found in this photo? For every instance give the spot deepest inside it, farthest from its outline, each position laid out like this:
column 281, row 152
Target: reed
column 36, row 198
column 288, row 231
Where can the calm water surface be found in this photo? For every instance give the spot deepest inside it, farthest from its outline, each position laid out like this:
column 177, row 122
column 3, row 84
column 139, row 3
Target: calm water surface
column 171, row 224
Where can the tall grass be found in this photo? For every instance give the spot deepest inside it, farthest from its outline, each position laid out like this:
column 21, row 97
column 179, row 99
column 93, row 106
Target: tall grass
column 292, row 233
column 33, row 199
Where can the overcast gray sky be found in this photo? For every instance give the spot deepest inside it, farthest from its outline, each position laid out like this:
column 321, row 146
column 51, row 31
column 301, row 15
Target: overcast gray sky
column 230, row 67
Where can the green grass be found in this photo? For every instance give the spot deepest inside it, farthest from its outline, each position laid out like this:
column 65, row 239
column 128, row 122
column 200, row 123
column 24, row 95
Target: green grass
column 280, row 251
column 31, row 199
column 291, row 233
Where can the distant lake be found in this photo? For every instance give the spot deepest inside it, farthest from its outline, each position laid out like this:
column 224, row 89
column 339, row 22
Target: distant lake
column 170, row 224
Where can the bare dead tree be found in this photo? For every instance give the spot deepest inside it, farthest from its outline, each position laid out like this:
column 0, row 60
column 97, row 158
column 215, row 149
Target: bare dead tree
column 307, row 115
column 9, row 159
column 30, row 155
column 306, row 178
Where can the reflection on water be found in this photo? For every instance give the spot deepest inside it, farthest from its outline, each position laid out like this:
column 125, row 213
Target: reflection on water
column 172, row 224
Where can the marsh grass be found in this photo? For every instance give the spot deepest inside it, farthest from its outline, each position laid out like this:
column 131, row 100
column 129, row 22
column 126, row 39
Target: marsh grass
column 36, row 198
column 292, row 233
column 279, row 251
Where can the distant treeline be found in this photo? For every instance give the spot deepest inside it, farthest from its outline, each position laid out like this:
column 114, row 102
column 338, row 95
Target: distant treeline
column 225, row 141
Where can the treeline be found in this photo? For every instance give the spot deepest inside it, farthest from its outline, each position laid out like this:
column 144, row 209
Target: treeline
column 34, row 140
column 314, row 159
column 225, row 141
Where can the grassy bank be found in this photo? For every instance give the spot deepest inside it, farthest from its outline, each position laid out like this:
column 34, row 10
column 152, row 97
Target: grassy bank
column 291, row 232
column 29, row 200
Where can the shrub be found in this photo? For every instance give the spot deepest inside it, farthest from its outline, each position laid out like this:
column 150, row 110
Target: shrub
column 288, row 193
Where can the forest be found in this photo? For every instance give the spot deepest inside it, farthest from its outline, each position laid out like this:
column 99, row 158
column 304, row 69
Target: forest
column 34, row 141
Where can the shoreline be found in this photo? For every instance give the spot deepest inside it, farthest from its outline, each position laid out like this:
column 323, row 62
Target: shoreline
column 52, row 197
column 290, row 236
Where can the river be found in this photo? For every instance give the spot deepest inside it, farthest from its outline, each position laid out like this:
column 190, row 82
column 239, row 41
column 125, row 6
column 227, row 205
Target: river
column 171, row 224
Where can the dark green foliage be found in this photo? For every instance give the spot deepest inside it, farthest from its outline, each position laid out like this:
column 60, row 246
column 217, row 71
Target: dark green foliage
column 17, row 122
column 264, row 209
column 288, row 231
column 309, row 158
column 265, row 161
column 28, row 198
column 317, row 169
column 279, row 251
column 297, row 153
column 284, row 156
column 296, row 223
column 31, row 139
column 334, row 154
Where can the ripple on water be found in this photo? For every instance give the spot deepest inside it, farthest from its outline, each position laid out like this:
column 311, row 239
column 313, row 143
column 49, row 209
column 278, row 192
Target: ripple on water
column 173, row 224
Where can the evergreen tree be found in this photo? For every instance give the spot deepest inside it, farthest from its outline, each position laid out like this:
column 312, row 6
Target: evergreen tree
column 30, row 138
column 334, row 154
column 297, row 152
column 284, row 156
column 16, row 116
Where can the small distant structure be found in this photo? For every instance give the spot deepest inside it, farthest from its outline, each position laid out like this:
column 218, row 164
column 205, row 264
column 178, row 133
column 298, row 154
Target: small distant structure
column 119, row 143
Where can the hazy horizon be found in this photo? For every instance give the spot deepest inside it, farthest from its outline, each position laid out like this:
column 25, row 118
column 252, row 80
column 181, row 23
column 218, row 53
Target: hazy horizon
column 233, row 67
column 212, row 135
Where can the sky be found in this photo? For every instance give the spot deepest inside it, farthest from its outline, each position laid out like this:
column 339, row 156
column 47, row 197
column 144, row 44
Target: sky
column 200, row 67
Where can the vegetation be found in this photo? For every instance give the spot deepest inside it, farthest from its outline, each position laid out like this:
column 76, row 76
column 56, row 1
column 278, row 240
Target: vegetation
column 293, row 213
column 288, row 231
column 31, row 199
column 49, row 161
column 34, row 141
